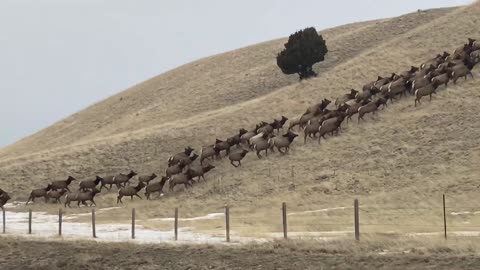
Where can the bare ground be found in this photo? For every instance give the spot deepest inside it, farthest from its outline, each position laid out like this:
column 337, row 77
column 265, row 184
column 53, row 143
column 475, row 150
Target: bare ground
column 21, row 254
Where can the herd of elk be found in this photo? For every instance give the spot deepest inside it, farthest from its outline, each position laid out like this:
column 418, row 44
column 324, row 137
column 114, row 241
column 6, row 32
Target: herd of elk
column 317, row 120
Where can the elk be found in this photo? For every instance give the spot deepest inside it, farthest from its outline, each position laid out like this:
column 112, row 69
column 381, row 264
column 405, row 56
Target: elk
column 175, row 169
column 121, row 180
column 130, row 191
column 82, row 197
column 179, row 179
column 220, row 146
column 41, row 192
column 235, row 139
column 426, row 91
column 155, row 187
column 147, row 178
column 237, row 156
column 90, row 184
column 207, row 152
column 283, row 141
column 56, row 195
column 371, row 107
column 200, row 171
column 4, row 198
column 62, row 184
column 278, row 124
column 180, row 156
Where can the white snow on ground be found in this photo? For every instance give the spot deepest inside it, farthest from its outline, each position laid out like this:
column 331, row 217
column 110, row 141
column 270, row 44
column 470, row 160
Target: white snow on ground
column 74, row 216
column 317, row 211
column 46, row 226
column 455, row 233
column 14, row 204
column 317, row 235
column 206, row 217
column 460, row 213
column 109, row 208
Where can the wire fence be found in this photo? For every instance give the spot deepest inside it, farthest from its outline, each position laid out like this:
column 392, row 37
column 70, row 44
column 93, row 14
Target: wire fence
column 225, row 226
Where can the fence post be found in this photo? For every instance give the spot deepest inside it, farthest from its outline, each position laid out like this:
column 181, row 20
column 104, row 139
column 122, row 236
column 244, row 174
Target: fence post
column 227, row 222
column 94, row 232
column 176, row 224
column 4, row 220
column 357, row 220
column 29, row 221
column 133, row 223
column 284, row 219
column 60, row 222
column 444, row 218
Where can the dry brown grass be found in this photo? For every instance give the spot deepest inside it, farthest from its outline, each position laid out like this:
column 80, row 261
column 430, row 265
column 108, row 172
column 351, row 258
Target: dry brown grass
column 405, row 158
column 379, row 252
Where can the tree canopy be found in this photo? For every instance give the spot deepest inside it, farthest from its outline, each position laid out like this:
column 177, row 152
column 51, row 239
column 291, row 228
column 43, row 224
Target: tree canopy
column 303, row 49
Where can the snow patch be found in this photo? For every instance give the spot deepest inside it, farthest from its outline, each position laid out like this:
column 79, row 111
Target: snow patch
column 206, row 217
column 317, row 211
column 460, row 213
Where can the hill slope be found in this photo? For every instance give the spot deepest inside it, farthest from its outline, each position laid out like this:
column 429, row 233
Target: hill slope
column 406, row 153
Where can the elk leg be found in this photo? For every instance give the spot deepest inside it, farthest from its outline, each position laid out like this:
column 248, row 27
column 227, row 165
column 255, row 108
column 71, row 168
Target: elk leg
column 93, row 202
column 231, row 162
column 258, row 155
column 68, row 190
column 131, row 197
column 29, row 198
column 139, row 196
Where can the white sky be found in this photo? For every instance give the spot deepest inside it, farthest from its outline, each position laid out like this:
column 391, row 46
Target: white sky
column 59, row 56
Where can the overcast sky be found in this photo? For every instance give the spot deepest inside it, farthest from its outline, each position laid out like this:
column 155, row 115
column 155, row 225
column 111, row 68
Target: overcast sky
column 59, row 56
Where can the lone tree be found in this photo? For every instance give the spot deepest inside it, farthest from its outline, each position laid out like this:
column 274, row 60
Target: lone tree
column 303, row 49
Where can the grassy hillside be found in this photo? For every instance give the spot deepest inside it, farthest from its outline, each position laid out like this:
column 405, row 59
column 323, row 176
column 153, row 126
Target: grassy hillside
column 405, row 156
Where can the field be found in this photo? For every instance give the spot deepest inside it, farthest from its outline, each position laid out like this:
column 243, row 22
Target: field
column 398, row 164
column 376, row 253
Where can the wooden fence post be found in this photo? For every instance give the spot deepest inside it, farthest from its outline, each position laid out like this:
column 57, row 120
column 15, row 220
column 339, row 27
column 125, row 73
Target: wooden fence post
column 133, row 223
column 357, row 220
column 444, row 218
column 94, row 232
column 227, row 222
column 176, row 224
column 60, row 222
column 4, row 220
column 29, row 221
column 284, row 219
